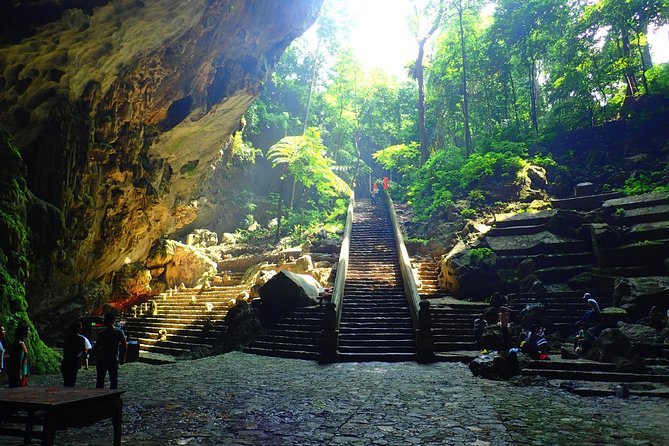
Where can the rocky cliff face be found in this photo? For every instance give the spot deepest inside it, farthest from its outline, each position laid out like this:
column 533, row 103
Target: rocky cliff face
column 120, row 109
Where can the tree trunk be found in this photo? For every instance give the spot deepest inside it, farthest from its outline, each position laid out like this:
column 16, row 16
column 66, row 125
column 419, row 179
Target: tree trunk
column 644, row 65
column 292, row 194
column 533, row 96
column 279, row 214
column 465, row 96
column 630, row 77
column 514, row 99
column 311, row 87
column 424, row 147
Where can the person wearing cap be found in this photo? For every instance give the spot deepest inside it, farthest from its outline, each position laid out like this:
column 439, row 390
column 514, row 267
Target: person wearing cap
column 107, row 346
column 590, row 315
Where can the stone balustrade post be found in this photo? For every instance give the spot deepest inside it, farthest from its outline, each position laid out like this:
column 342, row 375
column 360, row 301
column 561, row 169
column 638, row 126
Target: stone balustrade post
column 425, row 341
column 329, row 343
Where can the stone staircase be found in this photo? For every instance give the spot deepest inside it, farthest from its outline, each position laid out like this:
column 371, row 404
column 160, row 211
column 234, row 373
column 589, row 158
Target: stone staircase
column 428, row 277
column 375, row 321
column 186, row 319
column 559, row 259
column 297, row 335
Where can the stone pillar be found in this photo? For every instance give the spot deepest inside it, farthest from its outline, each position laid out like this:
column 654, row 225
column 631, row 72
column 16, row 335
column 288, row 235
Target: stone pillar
column 329, row 346
column 424, row 340
column 583, row 189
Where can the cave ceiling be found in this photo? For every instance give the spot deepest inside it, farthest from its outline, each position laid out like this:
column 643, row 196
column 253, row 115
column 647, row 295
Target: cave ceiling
column 120, row 108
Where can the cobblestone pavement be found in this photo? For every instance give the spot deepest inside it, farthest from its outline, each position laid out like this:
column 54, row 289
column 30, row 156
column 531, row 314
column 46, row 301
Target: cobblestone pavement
column 240, row 399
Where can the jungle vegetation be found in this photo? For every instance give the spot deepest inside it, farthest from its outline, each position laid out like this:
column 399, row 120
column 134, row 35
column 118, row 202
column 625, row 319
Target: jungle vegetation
column 490, row 80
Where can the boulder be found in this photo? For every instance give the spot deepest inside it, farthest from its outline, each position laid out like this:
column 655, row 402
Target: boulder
column 240, row 327
column 526, row 267
column 493, row 366
column 285, row 292
column 614, row 347
column 644, row 292
column 610, row 316
column 326, row 246
column 532, row 183
column 132, row 279
column 183, row 264
column 639, row 334
column 532, row 314
column 468, row 272
column 202, row 238
column 531, row 283
column 604, row 237
column 568, row 223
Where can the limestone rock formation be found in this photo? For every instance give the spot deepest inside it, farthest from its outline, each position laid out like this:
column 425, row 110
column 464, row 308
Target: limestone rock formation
column 121, row 107
column 468, row 273
column 180, row 263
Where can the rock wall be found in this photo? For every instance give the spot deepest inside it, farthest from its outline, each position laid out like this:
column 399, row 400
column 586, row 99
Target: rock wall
column 121, row 109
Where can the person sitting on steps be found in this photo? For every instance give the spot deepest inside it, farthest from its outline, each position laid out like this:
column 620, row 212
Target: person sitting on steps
column 584, row 340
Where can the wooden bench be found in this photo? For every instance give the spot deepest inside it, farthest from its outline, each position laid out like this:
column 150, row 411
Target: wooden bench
column 57, row 408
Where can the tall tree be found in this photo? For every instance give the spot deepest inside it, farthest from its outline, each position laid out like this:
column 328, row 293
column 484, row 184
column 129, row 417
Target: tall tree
column 430, row 13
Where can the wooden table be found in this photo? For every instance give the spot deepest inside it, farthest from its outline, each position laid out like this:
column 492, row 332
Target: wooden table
column 58, row 408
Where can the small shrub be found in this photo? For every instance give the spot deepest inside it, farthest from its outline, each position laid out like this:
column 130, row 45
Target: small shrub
column 468, row 213
column 476, row 196
column 479, row 255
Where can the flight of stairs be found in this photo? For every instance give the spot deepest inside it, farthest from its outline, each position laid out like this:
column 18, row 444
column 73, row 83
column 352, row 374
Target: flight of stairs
column 187, row 318
column 452, row 320
column 428, row 277
column 297, row 335
column 560, row 258
column 375, row 323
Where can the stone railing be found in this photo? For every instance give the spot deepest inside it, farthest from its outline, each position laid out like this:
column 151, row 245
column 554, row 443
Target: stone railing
column 332, row 312
column 420, row 310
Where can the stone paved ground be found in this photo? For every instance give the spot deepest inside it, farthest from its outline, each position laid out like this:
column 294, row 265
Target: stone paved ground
column 240, row 399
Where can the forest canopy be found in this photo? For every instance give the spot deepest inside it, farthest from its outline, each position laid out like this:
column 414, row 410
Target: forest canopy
column 489, row 81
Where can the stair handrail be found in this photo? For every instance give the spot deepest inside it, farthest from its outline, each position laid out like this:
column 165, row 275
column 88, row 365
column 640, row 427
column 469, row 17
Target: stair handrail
column 420, row 310
column 332, row 313
column 342, row 264
column 410, row 287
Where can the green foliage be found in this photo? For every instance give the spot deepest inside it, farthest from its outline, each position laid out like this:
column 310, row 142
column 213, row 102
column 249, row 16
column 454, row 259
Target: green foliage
column 417, row 240
column 401, row 157
column 15, row 239
column 658, row 78
column 243, row 151
column 641, row 184
column 430, row 189
column 480, row 255
column 620, row 212
column 305, row 159
column 468, row 213
column 488, row 165
column 476, row 196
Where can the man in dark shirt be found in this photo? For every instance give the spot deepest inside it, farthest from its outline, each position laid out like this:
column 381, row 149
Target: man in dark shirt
column 107, row 349
column 74, row 347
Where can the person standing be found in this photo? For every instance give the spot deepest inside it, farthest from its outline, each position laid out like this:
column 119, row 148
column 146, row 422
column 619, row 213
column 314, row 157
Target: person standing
column 107, row 346
column 3, row 348
column 74, row 347
column 17, row 363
